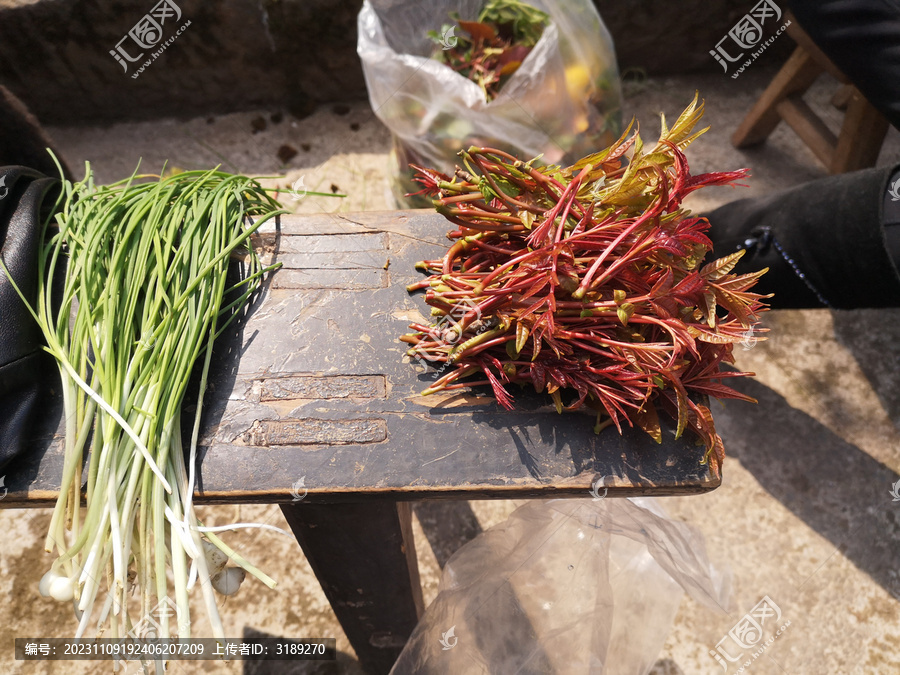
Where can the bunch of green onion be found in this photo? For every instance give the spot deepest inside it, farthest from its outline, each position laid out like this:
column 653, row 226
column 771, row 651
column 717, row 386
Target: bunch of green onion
column 144, row 297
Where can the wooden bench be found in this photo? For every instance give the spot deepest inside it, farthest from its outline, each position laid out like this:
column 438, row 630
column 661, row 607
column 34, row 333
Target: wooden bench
column 314, row 407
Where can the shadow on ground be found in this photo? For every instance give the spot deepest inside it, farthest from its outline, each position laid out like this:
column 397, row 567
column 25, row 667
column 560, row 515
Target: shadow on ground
column 344, row 664
column 873, row 337
column 834, row 487
column 448, row 525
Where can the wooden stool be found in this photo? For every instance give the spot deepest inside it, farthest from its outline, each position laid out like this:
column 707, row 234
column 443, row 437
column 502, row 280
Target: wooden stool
column 863, row 130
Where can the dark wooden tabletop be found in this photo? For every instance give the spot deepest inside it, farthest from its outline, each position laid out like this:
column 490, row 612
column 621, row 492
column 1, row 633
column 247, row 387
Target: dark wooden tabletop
column 315, row 398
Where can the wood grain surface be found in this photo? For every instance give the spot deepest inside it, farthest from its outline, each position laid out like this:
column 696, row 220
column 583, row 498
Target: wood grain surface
column 313, row 398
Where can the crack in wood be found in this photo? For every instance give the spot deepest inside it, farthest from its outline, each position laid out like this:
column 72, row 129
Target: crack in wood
column 358, row 279
column 313, row 431
column 314, row 387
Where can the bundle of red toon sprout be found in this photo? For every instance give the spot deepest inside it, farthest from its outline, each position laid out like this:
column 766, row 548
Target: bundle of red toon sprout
column 588, row 282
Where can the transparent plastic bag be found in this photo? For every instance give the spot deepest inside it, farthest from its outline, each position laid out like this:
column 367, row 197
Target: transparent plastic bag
column 563, row 102
column 565, row 586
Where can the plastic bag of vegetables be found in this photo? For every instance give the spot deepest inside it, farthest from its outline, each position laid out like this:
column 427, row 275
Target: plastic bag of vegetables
column 531, row 79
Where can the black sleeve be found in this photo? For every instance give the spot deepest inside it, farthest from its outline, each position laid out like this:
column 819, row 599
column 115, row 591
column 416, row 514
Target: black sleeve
column 24, row 195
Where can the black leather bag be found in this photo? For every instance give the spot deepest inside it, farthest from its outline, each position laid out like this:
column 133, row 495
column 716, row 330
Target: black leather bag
column 26, row 197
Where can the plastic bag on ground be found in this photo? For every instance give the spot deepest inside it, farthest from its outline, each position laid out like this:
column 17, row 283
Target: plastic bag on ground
column 563, row 102
column 565, row 586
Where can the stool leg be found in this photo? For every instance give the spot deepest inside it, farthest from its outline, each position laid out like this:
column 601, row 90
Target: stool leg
column 364, row 557
column 795, row 77
column 861, row 136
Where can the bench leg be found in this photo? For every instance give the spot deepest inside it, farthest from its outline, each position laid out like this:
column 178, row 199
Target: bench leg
column 364, row 557
column 795, row 77
column 861, row 137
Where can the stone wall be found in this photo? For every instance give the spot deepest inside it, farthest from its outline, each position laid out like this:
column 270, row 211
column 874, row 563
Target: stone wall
column 665, row 37
column 241, row 54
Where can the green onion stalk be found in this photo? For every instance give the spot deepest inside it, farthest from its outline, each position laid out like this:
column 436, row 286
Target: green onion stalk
column 144, row 298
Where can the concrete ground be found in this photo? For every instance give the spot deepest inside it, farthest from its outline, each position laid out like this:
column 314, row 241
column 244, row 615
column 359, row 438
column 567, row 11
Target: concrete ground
column 804, row 515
